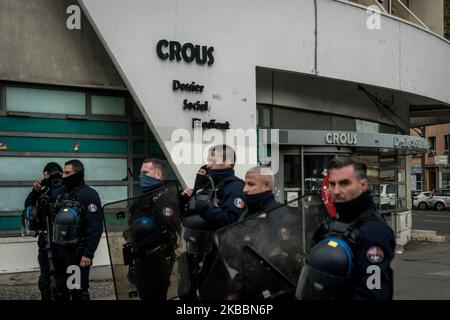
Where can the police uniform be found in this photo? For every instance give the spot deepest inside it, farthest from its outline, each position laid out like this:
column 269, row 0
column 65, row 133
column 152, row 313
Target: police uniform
column 231, row 198
column 45, row 201
column 274, row 233
column 216, row 212
column 367, row 245
column 86, row 203
column 154, row 225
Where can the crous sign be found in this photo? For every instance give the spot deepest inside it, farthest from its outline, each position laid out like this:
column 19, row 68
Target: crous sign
column 187, row 52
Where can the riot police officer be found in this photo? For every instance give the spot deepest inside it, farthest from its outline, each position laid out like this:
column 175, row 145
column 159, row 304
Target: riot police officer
column 352, row 254
column 259, row 190
column 152, row 236
column 275, row 235
column 77, row 229
column 42, row 198
column 219, row 203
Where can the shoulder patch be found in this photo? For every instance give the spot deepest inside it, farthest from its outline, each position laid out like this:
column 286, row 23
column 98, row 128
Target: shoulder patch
column 375, row 254
column 92, row 208
column 168, row 212
column 239, row 203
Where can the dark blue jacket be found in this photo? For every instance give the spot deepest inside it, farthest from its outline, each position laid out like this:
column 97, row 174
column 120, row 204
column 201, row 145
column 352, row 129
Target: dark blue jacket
column 374, row 235
column 374, row 247
column 232, row 200
column 92, row 207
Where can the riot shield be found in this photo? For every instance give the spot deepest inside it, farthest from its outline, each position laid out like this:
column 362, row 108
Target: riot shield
column 121, row 253
column 261, row 257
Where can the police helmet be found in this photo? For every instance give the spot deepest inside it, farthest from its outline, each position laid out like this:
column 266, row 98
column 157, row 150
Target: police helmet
column 144, row 230
column 198, row 235
column 30, row 221
column 326, row 271
column 66, row 227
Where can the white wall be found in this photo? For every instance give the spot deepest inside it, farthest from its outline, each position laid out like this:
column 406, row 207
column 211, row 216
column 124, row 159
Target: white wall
column 268, row 33
column 20, row 254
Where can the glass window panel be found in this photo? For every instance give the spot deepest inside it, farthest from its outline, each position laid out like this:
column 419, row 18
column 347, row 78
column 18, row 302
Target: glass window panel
column 265, row 117
column 367, row 126
column 387, row 196
column 401, row 161
column 13, row 198
column 29, row 169
column 375, row 189
column 372, row 167
column 135, row 110
column 108, row 105
column 314, row 166
column 343, row 124
column 138, row 147
column 401, row 191
column 138, row 129
column 45, row 101
column 284, row 118
column 291, row 168
column 110, row 194
column 387, row 175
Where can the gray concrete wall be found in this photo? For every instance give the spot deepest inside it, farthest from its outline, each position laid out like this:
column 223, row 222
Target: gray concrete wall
column 36, row 46
column 431, row 12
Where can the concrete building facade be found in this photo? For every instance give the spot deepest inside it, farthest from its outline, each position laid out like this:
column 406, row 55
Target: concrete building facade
column 331, row 76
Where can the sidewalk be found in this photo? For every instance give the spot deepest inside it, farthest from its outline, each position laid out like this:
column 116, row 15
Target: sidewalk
column 23, row 286
column 422, row 272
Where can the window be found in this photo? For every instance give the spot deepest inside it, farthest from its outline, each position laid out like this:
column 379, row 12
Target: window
column 367, row 126
column 447, row 142
column 13, row 198
column 45, row 101
column 107, row 105
column 432, row 143
column 30, row 168
column 445, row 179
column 286, row 118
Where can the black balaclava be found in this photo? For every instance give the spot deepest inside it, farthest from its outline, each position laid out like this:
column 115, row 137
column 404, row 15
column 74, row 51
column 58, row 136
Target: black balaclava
column 201, row 180
column 54, row 170
column 74, row 180
column 257, row 202
column 350, row 211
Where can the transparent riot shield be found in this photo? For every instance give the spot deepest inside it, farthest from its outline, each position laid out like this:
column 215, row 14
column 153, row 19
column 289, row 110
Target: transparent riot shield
column 262, row 256
column 123, row 255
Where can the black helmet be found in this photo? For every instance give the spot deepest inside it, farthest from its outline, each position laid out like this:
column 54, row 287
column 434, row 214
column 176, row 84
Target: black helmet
column 198, row 235
column 66, row 226
column 326, row 271
column 144, row 230
column 30, row 221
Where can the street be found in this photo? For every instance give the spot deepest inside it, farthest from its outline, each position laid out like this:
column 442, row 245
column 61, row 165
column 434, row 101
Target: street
column 438, row 221
column 422, row 272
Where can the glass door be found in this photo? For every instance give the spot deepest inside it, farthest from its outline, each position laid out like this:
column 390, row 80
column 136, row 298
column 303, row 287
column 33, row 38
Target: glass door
column 314, row 167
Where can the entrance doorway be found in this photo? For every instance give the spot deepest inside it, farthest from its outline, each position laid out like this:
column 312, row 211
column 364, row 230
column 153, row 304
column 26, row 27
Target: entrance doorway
column 301, row 170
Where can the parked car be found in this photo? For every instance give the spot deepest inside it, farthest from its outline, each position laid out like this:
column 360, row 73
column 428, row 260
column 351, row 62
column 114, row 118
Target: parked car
column 387, row 196
column 440, row 199
column 422, row 200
